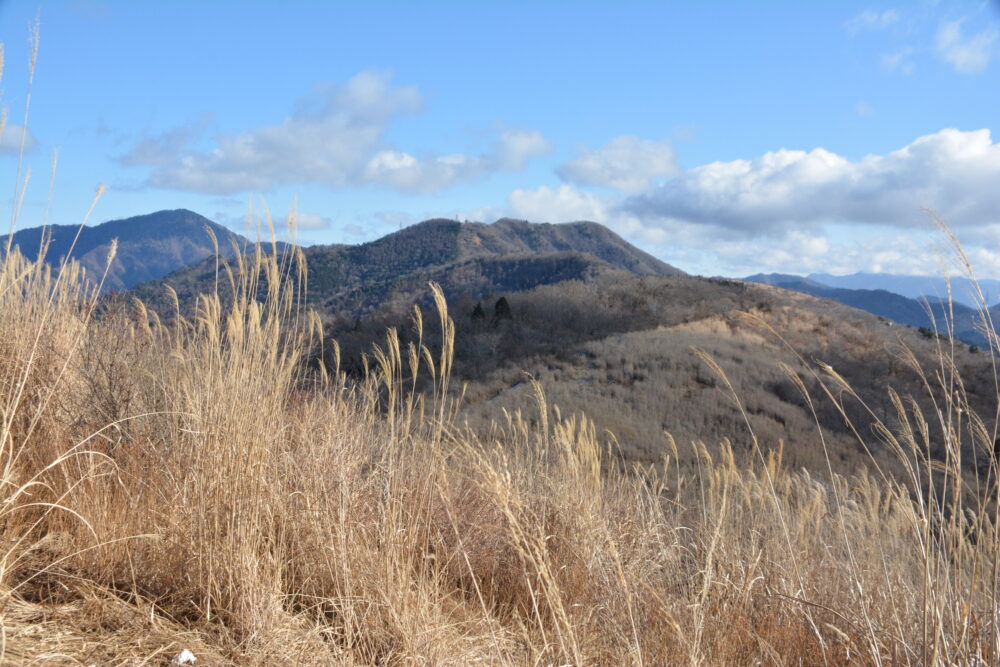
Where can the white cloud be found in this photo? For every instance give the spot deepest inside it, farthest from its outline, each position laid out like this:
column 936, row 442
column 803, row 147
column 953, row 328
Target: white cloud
column 406, row 172
column 626, row 163
column 952, row 172
column 562, row 204
column 805, row 252
column 163, row 150
column 311, row 221
column 967, row 55
column 872, row 20
column 335, row 139
column 899, row 61
column 710, row 250
column 516, row 147
column 567, row 203
column 864, row 110
column 10, row 139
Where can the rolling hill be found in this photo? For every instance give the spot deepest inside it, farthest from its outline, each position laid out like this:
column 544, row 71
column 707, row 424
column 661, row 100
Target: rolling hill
column 619, row 348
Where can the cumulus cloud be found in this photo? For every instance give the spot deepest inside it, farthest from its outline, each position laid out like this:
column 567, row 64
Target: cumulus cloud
column 967, row 54
column 626, row 163
column 324, row 141
column 333, row 139
column 710, row 250
column 802, row 210
column 871, row 20
column 953, row 172
column 10, row 139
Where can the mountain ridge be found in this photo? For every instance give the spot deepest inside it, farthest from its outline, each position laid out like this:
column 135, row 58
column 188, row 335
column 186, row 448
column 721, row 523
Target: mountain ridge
column 929, row 314
column 150, row 246
column 471, row 258
column 915, row 286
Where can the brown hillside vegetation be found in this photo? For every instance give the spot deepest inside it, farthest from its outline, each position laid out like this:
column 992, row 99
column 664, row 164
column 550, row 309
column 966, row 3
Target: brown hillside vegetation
column 199, row 485
column 623, row 350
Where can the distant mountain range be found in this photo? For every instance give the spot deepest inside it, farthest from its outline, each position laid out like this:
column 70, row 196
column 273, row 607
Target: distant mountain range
column 930, row 312
column 174, row 248
column 149, row 246
column 915, row 287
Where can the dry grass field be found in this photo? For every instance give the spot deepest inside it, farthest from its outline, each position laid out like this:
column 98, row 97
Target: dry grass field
column 198, row 485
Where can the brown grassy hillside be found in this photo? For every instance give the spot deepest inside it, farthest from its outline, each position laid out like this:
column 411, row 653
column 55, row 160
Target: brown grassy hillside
column 199, row 485
column 625, row 351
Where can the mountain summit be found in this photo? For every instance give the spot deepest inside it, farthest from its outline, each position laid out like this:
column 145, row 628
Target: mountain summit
column 149, row 246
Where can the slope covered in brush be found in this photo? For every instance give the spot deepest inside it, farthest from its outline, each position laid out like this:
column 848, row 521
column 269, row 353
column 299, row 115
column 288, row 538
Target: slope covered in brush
column 620, row 349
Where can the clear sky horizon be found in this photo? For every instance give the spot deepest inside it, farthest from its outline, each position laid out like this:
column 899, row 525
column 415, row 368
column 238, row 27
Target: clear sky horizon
column 725, row 138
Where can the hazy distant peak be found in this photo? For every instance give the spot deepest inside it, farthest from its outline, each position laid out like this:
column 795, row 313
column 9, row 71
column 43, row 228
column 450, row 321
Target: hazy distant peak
column 149, row 246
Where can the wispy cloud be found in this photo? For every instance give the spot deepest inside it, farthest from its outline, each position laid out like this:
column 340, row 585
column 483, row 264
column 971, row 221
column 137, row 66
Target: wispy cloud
column 871, row 20
column 968, row 54
column 334, row 139
column 899, row 61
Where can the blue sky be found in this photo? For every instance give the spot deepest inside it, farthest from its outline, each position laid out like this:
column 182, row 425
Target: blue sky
column 726, row 138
